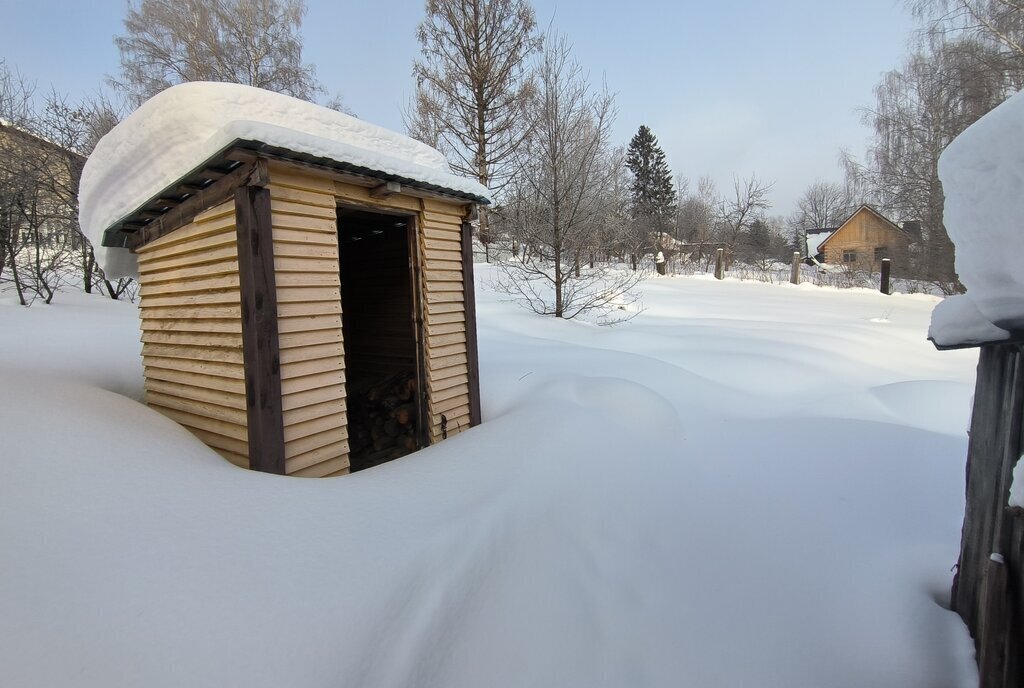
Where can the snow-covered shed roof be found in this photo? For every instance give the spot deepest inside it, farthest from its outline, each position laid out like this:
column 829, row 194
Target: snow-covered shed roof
column 183, row 128
column 982, row 173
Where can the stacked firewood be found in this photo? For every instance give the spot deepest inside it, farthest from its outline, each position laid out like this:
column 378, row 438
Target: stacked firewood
column 382, row 423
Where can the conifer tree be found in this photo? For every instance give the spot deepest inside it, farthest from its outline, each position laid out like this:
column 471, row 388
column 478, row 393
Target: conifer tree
column 653, row 195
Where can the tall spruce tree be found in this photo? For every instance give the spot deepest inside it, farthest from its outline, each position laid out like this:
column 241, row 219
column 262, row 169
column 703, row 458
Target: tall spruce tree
column 653, row 195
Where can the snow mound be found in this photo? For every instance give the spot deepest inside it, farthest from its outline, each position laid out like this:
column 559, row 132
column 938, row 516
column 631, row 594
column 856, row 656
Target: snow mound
column 982, row 173
column 177, row 130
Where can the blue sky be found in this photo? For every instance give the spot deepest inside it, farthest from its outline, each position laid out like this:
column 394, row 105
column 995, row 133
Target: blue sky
column 729, row 88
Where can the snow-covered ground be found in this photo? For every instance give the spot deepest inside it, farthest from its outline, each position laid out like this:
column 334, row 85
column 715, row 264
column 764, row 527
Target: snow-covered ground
column 746, row 485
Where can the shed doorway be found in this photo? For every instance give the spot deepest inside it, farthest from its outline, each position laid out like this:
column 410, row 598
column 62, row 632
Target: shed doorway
column 381, row 331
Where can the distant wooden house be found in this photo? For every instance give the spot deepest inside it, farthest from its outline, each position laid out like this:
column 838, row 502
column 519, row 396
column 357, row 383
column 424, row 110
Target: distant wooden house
column 863, row 240
column 303, row 314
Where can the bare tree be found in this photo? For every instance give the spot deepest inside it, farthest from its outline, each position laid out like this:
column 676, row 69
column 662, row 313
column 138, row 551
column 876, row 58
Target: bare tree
column 997, row 24
column 472, row 84
column 253, row 42
column 920, row 108
column 39, row 175
column 696, row 220
column 736, row 212
column 823, row 204
column 559, row 202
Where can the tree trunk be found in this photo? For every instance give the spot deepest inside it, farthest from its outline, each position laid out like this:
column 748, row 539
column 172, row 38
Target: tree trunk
column 111, row 291
column 558, row 283
column 17, row 277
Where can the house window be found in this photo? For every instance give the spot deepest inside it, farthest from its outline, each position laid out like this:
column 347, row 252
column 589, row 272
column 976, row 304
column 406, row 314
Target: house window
column 881, row 252
column 849, row 256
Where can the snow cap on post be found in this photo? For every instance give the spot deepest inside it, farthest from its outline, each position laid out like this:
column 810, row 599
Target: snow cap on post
column 179, row 129
column 982, row 173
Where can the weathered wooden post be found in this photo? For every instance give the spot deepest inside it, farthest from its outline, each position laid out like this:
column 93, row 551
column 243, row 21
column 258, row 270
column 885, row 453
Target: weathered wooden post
column 886, row 269
column 720, row 264
column 794, row 269
column 994, row 622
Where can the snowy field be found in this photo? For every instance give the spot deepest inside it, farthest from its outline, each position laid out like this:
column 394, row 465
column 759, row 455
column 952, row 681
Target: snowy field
column 746, row 485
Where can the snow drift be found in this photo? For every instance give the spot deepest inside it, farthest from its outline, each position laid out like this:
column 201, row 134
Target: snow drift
column 745, row 485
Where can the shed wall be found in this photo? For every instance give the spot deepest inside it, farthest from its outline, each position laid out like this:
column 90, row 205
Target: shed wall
column 304, row 220
column 192, row 331
column 445, row 317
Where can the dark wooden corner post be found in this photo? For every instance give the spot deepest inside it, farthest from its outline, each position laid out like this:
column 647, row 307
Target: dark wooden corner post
column 261, row 351
column 883, row 284
column 469, row 294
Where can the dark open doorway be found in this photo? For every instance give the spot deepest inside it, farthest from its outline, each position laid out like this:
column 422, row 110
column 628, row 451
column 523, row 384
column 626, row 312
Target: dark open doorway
column 383, row 370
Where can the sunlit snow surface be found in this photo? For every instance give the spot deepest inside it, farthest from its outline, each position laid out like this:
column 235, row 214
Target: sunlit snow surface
column 746, row 485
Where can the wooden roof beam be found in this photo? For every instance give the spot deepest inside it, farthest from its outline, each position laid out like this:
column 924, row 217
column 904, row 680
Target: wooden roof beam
column 385, row 189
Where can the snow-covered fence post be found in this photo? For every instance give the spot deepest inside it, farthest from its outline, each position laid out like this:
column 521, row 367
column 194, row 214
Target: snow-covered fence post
column 794, row 269
column 720, row 264
column 886, row 269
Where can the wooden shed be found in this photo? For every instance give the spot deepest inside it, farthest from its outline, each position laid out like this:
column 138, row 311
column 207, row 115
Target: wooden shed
column 304, row 315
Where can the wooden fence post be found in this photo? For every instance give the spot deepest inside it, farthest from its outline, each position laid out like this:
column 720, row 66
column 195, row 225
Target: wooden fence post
column 886, row 269
column 994, row 622
column 720, row 264
column 794, row 269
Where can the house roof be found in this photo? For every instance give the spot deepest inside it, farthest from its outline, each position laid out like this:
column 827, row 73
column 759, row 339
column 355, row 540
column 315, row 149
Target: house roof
column 181, row 138
column 815, row 238
column 891, row 225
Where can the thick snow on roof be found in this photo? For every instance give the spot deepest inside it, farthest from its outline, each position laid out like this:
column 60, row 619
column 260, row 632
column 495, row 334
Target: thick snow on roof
column 956, row 321
column 179, row 129
column 815, row 239
column 982, row 173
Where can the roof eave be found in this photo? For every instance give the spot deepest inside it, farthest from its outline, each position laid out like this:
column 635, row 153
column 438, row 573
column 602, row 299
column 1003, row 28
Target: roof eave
column 223, row 162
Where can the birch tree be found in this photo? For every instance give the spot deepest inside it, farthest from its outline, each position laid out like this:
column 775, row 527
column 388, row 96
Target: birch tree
column 919, row 109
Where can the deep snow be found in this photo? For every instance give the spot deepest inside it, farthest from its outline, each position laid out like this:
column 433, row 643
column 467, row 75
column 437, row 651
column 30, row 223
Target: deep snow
column 746, row 484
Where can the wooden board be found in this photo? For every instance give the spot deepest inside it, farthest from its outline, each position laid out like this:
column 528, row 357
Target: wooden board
column 310, row 326
column 191, row 330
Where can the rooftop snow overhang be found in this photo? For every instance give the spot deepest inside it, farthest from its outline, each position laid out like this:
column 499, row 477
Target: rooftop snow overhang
column 1016, row 338
column 226, row 169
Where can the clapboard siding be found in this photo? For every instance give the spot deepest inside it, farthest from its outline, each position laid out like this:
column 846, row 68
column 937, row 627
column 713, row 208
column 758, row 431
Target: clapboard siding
column 444, row 316
column 304, row 219
column 192, row 331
